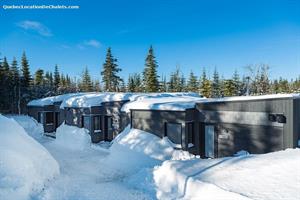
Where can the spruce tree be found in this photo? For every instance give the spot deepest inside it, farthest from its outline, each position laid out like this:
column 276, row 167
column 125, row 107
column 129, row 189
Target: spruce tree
column 39, row 77
column 229, row 87
column 205, row 85
column 150, row 72
column 86, row 83
column 15, row 74
column 26, row 77
column 56, row 78
column 6, row 86
column 192, row 85
column 110, row 72
column 237, row 84
column 216, row 85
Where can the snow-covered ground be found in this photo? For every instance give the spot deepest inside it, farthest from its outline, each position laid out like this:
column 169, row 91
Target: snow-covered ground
column 137, row 165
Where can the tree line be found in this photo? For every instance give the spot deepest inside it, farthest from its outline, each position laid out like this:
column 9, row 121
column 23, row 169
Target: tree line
column 18, row 86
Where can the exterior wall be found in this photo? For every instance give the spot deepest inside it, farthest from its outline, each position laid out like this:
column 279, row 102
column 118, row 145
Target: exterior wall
column 245, row 125
column 296, row 127
column 154, row 121
column 34, row 111
column 113, row 110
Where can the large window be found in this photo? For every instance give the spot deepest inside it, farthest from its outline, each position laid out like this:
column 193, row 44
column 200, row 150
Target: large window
column 191, row 134
column 174, row 131
column 97, row 124
column 49, row 118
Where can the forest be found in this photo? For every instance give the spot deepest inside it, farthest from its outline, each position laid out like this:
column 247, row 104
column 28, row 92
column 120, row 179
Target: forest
column 18, row 85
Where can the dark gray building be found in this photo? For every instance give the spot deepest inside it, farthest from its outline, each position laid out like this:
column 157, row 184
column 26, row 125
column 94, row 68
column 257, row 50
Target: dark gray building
column 50, row 116
column 104, row 122
column 222, row 127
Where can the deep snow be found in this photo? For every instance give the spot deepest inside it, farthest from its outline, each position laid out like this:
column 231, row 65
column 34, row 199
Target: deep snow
column 25, row 165
column 139, row 165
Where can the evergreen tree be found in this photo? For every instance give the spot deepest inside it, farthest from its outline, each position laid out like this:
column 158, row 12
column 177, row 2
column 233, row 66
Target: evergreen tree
column 86, row 83
column 216, row 85
column 237, row 84
column 39, row 77
column 96, row 86
column 26, row 77
column 15, row 74
column 150, row 73
column 229, row 88
column 6, row 86
column 163, row 84
column 192, row 85
column 56, row 78
column 177, row 81
column 205, row 85
column 109, row 73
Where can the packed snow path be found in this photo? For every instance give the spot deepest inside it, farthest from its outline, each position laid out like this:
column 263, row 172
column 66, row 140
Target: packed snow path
column 84, row 176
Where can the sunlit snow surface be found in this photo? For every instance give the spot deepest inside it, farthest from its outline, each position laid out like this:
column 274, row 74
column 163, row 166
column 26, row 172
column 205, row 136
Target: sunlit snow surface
column 139, row 165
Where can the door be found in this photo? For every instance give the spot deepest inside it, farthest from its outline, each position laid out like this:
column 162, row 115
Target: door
column 41, row 117
column 108, row 128
column 56, row 119
column 209, row 141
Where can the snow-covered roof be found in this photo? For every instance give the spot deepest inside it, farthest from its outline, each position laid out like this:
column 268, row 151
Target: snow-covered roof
column 250, row 98
column 175, row 103
column 51, row 100
column 95, row 99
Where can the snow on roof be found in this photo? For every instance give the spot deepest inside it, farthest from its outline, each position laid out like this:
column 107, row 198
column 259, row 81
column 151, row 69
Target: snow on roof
column 175, row 103
column 249, row 98
column 51, row 100
column 95, row 99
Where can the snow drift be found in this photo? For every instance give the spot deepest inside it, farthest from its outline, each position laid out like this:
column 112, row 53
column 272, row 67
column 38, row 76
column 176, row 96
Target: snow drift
column 72, row 137
column 273, row 176
column 134, row 149
column 31, row 126
column 25, row 165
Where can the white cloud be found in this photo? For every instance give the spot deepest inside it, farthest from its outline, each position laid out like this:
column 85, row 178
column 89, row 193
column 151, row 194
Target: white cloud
column 92, row 43
column 35, row 26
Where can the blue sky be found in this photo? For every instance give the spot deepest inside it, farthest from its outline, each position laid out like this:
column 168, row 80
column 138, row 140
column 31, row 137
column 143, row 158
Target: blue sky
column 191, row 34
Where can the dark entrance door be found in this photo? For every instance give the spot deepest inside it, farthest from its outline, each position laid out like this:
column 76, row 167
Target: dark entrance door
column 108, row 128
column 56, row 119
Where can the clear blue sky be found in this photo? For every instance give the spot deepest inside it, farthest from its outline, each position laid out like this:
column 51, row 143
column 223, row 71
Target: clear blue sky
column 190, row 33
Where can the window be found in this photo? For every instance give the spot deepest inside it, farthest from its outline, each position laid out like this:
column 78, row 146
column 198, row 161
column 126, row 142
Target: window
column 49, row 118
column 174, row 132
column 97, row 124
column 191, row 134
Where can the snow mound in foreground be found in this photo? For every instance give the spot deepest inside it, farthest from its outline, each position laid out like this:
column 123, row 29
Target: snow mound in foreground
column 25, row 165
column 134, row 149
column 272, row 176
column 31, row 126
column 72, row 137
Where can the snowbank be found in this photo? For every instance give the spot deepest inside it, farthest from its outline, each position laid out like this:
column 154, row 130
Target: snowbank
column 258, row 97
column 25, row 165
column 273, row 176
column 31, row 126
column 72, row 137
column 134, row 149
column 52, row 100
column 177, row 103
column 95, row 99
